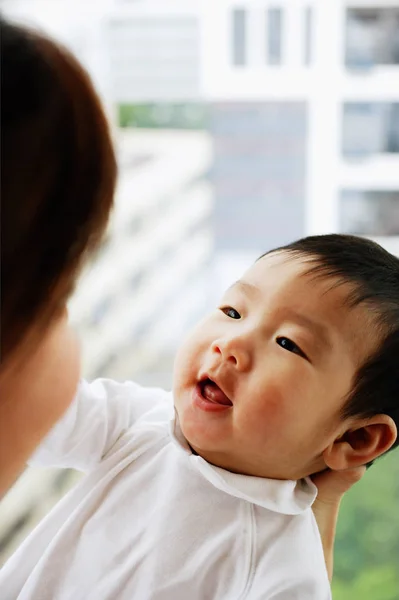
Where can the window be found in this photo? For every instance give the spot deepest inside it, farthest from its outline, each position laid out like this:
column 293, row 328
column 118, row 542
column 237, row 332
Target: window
column 370, row 128
column 239, row 37
column 258, row 174
column 374, row 213
column 274, row 36
column 308, row 24
column 372, row 37
column 153, row 56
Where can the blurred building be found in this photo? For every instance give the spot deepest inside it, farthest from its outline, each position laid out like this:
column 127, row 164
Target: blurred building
column 301, row 98
column 148, row 283
column 302, row 102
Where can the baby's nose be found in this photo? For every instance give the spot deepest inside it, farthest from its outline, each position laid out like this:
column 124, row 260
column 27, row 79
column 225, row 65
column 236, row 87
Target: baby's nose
column 233, row 351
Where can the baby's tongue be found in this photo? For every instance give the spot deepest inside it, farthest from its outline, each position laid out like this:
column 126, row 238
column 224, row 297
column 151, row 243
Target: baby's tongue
column 214, row 394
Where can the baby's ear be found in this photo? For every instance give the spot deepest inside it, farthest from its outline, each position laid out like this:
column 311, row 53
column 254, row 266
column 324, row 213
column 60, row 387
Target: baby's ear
column 363, row 441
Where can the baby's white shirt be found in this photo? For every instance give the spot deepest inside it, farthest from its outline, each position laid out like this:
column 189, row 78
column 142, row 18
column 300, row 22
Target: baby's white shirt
column 153, row 521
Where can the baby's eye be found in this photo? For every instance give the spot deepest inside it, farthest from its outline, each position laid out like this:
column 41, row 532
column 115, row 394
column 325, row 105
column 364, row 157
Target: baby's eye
column 230, row 312
column 291, row 346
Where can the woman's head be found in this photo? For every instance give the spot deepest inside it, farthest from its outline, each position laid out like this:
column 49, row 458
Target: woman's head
column 58, row 177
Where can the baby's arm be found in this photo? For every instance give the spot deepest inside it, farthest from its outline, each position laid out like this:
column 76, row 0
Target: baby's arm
column 332, row 486
column 100, row 414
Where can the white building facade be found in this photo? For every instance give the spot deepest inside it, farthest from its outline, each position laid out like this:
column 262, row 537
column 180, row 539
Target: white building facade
column 302, row 101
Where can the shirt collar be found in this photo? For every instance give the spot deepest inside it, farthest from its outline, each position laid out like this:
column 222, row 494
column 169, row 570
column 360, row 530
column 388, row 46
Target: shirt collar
column 282, row 496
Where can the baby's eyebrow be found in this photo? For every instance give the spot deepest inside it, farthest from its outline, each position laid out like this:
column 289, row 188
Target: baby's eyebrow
column 248, row 288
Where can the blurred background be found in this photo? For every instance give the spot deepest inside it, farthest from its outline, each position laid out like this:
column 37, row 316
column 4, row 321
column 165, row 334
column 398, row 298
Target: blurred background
column 239, row 126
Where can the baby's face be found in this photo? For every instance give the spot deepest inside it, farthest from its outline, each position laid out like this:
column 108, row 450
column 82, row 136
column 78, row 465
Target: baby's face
column 260, row 382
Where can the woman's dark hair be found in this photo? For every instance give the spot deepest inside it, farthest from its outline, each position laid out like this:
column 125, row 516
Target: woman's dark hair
column 58, row 175
column 374, row 276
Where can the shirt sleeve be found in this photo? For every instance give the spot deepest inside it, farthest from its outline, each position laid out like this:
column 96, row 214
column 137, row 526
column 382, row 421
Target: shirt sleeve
column 302, row 591
column 312, row 587
column 100, row 414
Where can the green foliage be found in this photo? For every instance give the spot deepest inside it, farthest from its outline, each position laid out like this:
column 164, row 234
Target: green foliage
column 380, row 583
column 189, row 115
column 367, row 547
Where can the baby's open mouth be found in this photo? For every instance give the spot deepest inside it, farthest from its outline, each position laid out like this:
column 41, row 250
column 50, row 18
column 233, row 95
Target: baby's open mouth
column 211, row 392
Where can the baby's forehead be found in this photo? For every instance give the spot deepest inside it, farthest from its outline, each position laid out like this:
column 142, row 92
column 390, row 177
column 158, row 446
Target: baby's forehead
column 289, row 284
column 308, row 270
column 292, row 268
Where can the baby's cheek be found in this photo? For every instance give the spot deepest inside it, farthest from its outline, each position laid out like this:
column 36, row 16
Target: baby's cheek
column 191, row 358
column 268, row 412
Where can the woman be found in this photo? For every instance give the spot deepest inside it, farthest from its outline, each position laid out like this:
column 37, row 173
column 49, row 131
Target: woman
column 58, row 179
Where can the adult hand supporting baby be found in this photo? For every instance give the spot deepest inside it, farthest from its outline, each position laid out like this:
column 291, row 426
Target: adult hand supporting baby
column 332, row 485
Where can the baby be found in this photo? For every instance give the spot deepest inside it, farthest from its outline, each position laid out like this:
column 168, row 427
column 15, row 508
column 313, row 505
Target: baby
column 205, row 493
